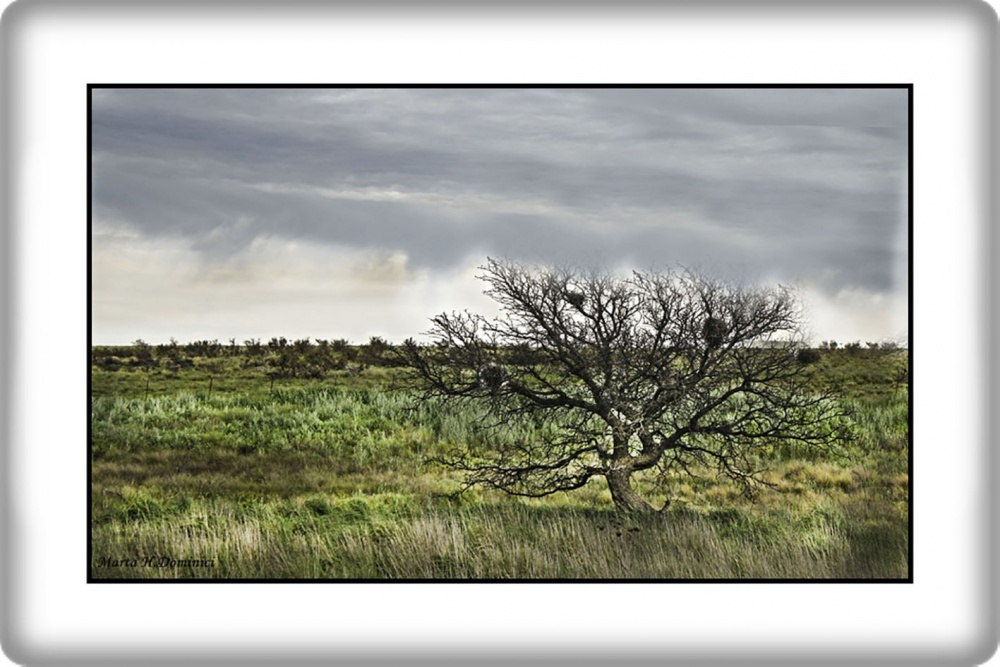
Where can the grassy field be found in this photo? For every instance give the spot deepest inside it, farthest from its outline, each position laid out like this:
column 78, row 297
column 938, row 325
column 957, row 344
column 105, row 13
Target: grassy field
column 216, row 468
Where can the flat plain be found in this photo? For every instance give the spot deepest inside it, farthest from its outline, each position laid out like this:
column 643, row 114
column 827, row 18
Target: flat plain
column 313, row 460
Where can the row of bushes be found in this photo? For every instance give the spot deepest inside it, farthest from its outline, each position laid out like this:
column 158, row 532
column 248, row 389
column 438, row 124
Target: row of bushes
column 855, row 346
column 305, row 358
column 278, row 357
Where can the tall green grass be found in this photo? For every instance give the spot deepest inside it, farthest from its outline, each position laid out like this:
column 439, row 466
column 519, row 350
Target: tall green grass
column 367, row 428
column 353, row 423
column 336, row 479
column 392, row 536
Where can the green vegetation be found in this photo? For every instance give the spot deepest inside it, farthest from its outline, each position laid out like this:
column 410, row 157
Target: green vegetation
column 326, row 470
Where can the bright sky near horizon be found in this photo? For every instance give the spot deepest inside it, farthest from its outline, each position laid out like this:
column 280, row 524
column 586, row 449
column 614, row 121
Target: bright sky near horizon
column 347, row 213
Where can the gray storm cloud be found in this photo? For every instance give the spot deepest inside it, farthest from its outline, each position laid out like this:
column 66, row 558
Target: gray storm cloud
column 797, row 185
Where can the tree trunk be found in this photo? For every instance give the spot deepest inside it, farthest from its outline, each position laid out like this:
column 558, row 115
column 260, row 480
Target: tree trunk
column 622, row 493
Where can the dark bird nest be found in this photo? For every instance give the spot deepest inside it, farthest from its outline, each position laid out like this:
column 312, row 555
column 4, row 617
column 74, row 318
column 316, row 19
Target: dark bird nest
column 576, row 299
column 492, row 377
column 715, row 332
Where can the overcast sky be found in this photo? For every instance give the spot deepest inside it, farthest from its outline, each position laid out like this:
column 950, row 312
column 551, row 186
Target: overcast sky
column 338, row 213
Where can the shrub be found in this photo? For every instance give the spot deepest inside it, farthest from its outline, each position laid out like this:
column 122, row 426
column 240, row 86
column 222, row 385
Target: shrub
column 807, row 356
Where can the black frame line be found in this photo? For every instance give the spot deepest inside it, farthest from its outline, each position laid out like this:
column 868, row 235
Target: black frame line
column 91, row 579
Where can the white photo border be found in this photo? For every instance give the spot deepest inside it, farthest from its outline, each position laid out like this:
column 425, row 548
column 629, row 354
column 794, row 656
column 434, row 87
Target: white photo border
column 53, row 50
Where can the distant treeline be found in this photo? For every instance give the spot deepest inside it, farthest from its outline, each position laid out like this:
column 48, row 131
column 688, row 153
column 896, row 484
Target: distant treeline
column 313, row 358
column 856, row 346
column 279, row 357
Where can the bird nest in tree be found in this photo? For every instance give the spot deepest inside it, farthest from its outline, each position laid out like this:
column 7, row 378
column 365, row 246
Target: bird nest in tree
column 492, row 377
column 715, row 332
column 575, row 298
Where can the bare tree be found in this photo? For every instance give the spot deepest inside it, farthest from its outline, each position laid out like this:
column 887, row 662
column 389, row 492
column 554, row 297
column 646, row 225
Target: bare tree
column 658, row 372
